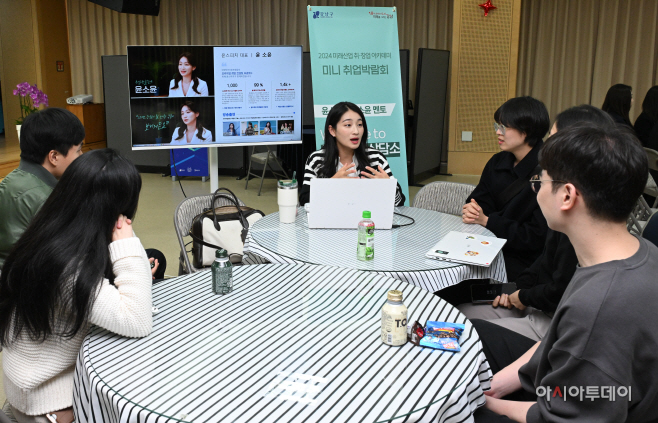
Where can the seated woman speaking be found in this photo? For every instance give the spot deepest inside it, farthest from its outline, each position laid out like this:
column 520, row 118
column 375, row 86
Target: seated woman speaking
column 503, row 201
column 78, row 263
column 346, row 153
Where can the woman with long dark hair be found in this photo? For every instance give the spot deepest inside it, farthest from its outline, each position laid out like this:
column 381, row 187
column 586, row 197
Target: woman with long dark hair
column 268, row 128
column 190, row 130
column 231, row 130
column 618, row 102
column 185, row 82
column 345, row 152
column 77, row 264
column 648, row 119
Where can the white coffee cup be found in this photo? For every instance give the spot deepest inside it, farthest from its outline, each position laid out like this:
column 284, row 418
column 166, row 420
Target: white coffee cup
column 287, row 199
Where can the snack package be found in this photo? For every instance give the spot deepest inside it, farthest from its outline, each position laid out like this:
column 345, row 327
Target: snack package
column 442, row 336
column 415, row 333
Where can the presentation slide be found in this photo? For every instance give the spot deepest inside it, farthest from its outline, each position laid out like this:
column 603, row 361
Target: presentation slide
column 259, row 97
column 205, row 96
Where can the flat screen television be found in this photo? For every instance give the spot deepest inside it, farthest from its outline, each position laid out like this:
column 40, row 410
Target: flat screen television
column 210, row 96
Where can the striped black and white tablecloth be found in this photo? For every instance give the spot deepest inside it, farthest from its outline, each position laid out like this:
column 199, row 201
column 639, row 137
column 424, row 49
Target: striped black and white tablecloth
column 292, row 343
column 399, row 253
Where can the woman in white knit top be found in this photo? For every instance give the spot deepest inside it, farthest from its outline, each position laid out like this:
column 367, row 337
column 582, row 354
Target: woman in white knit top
column 77, row 264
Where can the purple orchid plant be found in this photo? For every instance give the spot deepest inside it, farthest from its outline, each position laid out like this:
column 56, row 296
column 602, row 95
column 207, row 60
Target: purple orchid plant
column 31, row 99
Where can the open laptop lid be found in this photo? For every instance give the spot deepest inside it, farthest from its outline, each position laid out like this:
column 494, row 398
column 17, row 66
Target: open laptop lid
column 339, row 203
column 465, row 248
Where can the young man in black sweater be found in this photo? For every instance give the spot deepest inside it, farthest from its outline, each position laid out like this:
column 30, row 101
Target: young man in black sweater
column 598, row 360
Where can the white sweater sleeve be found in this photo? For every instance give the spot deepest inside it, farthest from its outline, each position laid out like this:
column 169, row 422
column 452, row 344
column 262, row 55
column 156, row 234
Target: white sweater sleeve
column 125, row 309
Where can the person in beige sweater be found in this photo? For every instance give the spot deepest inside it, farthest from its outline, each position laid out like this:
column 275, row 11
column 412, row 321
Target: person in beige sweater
column 77, row 264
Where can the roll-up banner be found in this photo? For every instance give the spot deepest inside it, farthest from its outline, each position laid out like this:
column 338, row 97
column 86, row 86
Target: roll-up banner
column 355, row 57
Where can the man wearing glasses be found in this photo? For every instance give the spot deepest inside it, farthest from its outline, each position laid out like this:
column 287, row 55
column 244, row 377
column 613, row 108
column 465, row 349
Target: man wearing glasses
column 597, row 362
column 502, row 201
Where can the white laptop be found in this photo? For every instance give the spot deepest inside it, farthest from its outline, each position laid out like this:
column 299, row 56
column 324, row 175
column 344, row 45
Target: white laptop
column 340, row 203
column 460, row 247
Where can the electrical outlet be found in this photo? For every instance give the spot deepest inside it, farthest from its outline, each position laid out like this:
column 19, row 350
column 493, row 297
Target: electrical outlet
column 467, row 136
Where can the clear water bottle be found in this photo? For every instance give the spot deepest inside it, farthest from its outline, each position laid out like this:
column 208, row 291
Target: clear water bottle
column 365, row 249
column 222, row 273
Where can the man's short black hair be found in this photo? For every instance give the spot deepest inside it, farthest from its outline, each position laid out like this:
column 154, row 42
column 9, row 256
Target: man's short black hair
column 49, row 129
column 527, row 115
column 607, row 165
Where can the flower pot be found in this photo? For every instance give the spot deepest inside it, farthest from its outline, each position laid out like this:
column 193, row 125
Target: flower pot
column 18, row 131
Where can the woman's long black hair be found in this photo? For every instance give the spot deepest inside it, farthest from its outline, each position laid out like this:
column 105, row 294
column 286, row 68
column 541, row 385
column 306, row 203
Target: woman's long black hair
column 618, row 101
column 178, row 77
column 50, row 278
column 328, row 168
column 650, row 104
column 182, row 127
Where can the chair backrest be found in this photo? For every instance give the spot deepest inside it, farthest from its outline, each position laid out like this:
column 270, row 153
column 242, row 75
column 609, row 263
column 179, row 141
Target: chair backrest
column 185, row 213
column 638, row 216
column 444, row 197
column 650, row 231
column 652, row 155
column 6, row 415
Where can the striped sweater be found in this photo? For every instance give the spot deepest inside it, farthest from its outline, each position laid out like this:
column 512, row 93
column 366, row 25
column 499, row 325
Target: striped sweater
column 315, row 160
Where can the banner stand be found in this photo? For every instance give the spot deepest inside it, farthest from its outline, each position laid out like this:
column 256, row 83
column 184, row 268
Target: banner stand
column 213, row 169
column 366, row 73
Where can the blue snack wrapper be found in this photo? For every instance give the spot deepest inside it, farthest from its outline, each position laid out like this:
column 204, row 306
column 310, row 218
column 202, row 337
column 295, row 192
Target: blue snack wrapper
column 442, row 336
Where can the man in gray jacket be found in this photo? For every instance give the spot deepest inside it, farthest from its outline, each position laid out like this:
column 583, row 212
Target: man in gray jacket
column 598, row 360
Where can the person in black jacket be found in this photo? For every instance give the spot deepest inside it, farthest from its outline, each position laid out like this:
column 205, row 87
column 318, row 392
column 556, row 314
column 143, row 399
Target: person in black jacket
column 528, row 311
column 648, row 119
column 503, row 201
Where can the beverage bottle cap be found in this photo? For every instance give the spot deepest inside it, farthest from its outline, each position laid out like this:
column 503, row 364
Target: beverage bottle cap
column 366, row 214
column 221, row 253
column 395, row 295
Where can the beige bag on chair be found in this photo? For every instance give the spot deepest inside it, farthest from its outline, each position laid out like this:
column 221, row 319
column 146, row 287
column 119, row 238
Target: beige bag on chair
column 221, row 227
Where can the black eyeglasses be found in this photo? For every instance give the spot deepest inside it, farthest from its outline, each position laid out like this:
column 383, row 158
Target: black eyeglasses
column 535, row 182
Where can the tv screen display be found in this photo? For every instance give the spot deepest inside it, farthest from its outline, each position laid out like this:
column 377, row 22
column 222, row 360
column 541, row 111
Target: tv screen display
column 208, row 96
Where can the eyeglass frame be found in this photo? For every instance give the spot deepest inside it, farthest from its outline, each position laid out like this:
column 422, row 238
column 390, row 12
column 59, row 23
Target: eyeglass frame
column 537, row 182
column 500, row 126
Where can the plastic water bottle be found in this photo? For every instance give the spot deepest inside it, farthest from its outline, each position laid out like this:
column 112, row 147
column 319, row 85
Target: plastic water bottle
column 365, row 249
column 394, row 320
column 222, row 273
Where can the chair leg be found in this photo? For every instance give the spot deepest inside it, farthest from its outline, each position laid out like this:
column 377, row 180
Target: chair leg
column 249, row 170
column 280, row 164
column 262, row 177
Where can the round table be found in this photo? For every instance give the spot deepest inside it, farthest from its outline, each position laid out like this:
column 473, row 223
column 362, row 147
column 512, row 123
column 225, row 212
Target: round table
column 291, row 343
column 399, row 252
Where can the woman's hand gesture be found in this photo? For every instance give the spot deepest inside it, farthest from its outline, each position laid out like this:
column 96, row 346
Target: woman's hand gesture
column 122, row 229
column 345, row 171
column 374, row 173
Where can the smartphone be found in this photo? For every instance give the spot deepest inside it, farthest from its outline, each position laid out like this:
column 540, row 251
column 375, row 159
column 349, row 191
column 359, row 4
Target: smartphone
column 486, row 293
